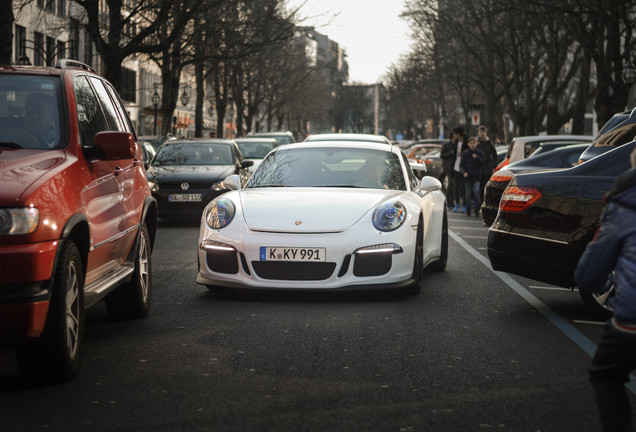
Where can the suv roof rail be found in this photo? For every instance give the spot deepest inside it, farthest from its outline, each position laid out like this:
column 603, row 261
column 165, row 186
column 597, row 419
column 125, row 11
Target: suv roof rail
column 62, row 63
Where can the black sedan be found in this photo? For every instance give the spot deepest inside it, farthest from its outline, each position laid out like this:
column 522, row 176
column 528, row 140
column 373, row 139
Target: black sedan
column 547, row 218
column 559, row 157
column 619, row 130
column 187, row 174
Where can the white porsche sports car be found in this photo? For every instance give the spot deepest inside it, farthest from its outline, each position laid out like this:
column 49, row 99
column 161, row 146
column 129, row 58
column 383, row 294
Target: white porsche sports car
column 325, row 215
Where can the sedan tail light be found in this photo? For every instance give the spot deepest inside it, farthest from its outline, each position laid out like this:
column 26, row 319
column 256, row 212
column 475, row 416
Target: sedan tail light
column 502, row 176
column 517, row 199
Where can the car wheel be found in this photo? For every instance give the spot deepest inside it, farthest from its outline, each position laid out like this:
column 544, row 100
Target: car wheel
column 599, row 303
column 132, row 300
column 418, row 262
column 439, row 265
column 54, row 356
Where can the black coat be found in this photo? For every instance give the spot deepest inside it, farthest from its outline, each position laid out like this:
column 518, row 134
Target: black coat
column 490, row 157
column 449, row 154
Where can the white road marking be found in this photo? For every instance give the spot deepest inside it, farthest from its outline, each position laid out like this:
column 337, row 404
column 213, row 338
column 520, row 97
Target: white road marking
column 562, row 324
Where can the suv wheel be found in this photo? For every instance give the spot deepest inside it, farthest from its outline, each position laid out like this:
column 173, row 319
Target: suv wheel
column 54, row 355
column 132, row 300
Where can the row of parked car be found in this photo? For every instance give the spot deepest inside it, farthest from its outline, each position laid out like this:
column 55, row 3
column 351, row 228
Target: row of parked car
column 548, row 207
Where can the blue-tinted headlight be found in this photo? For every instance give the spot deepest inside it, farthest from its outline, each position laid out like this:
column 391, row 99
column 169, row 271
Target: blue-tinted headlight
column 389, row 216
column 220, row 213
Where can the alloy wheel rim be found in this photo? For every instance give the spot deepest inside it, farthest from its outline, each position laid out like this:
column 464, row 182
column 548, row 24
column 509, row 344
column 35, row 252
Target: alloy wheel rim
column 143, row 267
column 72, row 310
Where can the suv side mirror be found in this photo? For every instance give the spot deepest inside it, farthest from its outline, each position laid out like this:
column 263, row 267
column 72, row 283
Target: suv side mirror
column 115, row 145
column 247, row 163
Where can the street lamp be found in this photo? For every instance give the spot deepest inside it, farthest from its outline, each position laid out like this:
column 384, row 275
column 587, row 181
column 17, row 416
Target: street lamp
column 184, row 97
column 155, row 101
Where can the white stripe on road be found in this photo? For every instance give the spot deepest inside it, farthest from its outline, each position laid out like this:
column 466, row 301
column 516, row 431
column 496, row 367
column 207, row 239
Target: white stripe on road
column 570, row 331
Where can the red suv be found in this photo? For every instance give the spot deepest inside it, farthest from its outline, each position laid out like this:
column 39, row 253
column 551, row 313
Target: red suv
column 77, row 220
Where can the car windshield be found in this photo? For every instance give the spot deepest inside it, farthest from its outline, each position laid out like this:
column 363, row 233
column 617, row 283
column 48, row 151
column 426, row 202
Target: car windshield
column 30, row 112
column 330, row 167
column 255, row 150
column 171, row 154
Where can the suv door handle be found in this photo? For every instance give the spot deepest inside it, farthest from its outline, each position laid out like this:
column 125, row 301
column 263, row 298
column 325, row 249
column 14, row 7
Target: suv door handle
column 118, row 170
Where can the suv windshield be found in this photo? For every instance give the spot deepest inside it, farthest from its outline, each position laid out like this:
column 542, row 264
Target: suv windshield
column 29, row 112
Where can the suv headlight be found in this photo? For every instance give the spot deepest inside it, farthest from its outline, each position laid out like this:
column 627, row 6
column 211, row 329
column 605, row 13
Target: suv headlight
column 16, row 221
column 389, row 216
column 220, row 213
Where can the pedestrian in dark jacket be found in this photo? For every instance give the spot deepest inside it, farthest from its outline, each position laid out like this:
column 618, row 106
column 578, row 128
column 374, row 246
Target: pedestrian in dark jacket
column 451, row 155
column 614, row 248
column 490, row 158
column 470, row 166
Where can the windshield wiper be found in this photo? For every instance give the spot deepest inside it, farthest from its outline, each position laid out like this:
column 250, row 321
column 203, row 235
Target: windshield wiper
column 10, row 145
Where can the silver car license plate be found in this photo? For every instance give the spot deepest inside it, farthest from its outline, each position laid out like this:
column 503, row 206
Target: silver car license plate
column 184, row 197
column 292, row 254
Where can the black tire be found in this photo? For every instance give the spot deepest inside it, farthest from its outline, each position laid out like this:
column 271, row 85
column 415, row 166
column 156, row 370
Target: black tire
column 132, row 299
column 439, row 265
column 54, row 356
column 418, row 262
column 599, row 304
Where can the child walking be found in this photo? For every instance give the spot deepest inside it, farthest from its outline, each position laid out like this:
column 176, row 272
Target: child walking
column 470, row 167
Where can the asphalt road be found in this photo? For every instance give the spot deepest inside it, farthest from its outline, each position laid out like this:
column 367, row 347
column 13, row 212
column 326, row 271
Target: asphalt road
column 471, row 352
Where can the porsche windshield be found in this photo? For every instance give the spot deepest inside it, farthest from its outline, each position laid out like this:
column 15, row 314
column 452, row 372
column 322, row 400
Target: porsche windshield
column 330, row 167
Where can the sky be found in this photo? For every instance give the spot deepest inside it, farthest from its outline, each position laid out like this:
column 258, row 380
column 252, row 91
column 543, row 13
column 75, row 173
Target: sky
column 371, row 32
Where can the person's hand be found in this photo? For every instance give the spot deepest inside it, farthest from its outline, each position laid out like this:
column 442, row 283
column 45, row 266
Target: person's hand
column 474, row 155
column 465, row 175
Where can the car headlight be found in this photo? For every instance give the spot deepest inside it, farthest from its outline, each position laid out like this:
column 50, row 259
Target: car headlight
column 153, row 185
column 220, row 213
column 15, row 221
column 218, row 186
column 389, row 216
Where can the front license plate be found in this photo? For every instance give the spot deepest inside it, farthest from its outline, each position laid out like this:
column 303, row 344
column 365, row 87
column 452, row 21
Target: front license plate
column 292, row 254
column 184, row 197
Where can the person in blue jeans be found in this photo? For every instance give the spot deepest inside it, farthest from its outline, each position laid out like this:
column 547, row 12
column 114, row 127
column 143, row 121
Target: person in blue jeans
column 613, row 249
column 470, row 167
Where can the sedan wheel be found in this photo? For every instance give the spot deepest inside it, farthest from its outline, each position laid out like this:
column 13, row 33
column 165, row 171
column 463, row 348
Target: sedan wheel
column 54, row 356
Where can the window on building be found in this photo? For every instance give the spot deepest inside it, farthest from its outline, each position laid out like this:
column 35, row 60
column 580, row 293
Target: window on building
column 73, row 43
column 50, row 51
column 20, row 42
column 39, row 49
column 50, row 6
column 128, row 81
column 61, row 8
column 88, row 49
column 60, row 51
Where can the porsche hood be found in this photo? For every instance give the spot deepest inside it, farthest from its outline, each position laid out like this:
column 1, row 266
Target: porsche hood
column 308, row 210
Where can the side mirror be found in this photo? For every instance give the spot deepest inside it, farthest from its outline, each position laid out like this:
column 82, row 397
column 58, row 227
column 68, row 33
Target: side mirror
column 115, row 145
column 428, row 184
column 247, row 163
column 232, row 182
